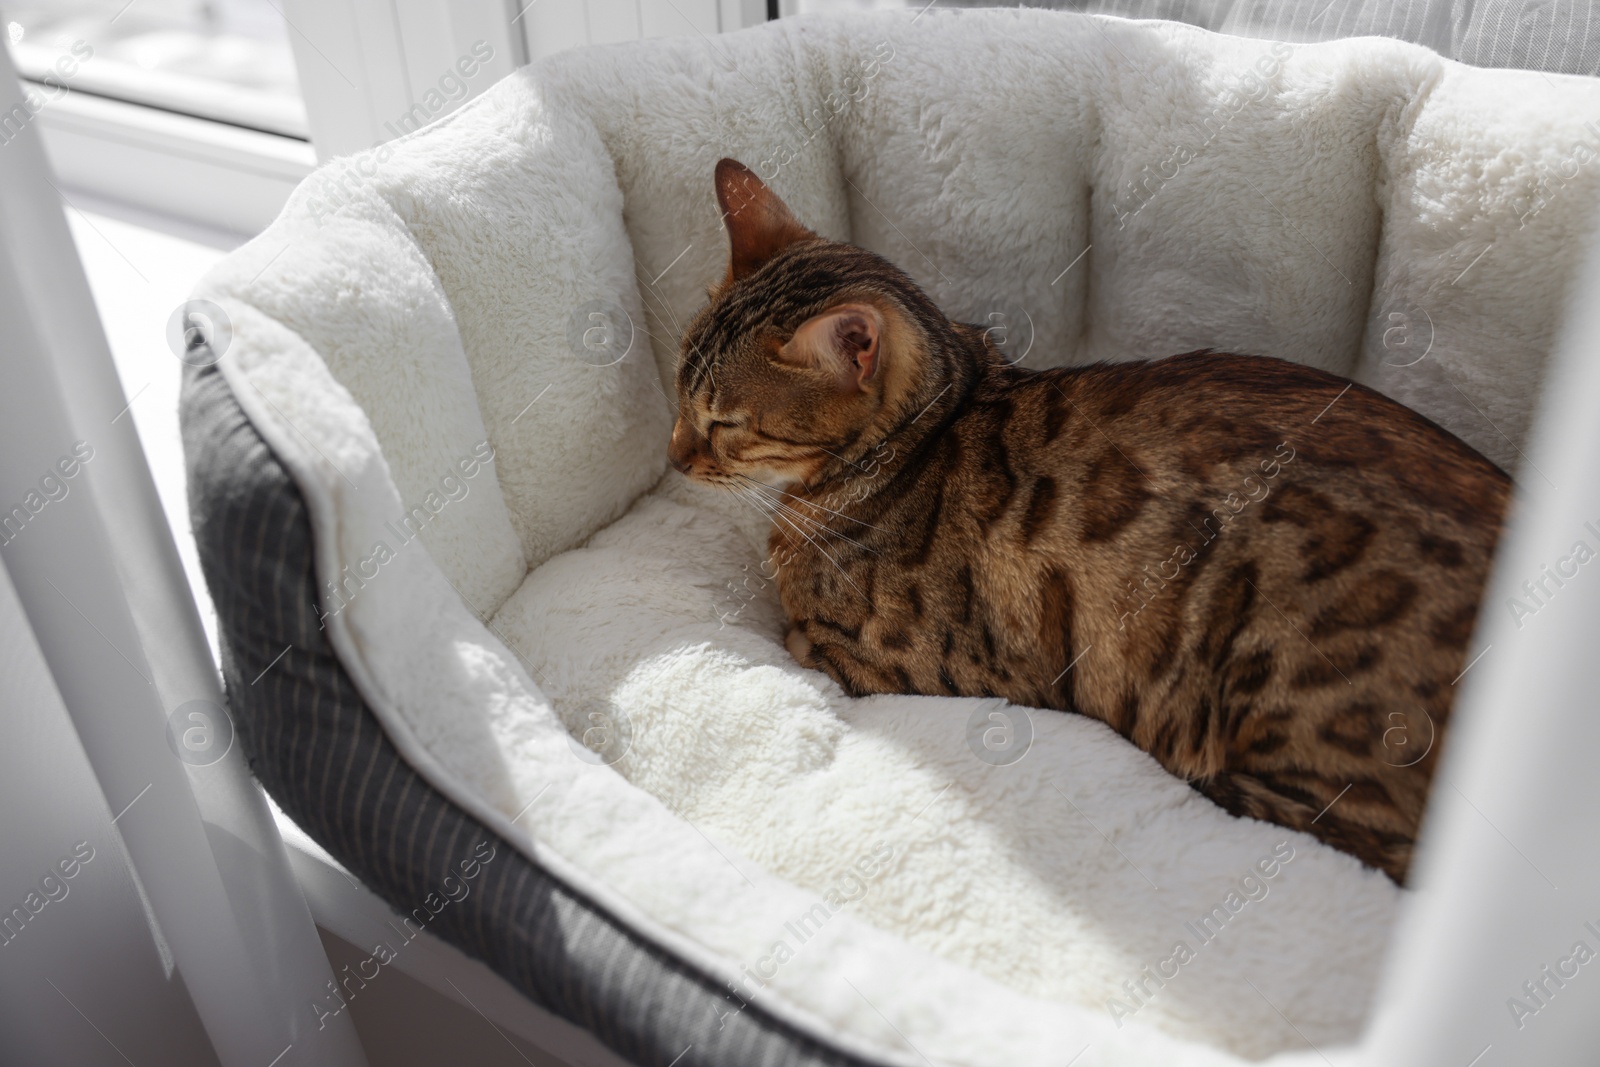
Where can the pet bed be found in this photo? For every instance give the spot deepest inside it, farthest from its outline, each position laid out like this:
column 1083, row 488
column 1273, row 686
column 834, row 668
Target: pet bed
column 466, row 610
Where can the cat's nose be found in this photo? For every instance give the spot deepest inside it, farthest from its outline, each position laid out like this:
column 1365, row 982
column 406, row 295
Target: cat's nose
column 681, row 449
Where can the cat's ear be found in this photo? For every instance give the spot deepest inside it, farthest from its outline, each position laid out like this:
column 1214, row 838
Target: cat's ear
column 759, row 224
column 844, row 341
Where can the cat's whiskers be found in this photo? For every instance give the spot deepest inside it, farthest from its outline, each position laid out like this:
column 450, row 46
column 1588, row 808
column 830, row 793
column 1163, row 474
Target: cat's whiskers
column 808, row 517
column 809, row 540
column 820, row 527
column 811, row 503
column 650, row 290
column 770, row 508
column 748, row 498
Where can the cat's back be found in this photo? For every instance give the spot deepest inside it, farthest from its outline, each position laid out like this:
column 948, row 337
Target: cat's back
column 1120, row 437
column 1196, row 506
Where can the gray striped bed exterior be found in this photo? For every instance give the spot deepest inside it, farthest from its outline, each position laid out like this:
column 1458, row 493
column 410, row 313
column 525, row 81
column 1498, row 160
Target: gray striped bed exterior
column 317, row 748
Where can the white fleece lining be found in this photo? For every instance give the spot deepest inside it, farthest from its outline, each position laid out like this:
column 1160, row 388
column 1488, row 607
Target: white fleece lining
column 585, row 178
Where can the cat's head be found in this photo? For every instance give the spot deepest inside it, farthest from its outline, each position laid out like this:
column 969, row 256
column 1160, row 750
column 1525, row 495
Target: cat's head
column 808, row 354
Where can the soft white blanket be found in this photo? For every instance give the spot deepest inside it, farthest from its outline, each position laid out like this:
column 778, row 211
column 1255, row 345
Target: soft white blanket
column 510, row 282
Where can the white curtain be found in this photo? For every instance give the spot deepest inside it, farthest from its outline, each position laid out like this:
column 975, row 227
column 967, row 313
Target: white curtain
column 87, row 550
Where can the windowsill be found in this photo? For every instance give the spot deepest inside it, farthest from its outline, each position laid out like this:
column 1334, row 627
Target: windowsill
column 140, row 269
column 208, row 174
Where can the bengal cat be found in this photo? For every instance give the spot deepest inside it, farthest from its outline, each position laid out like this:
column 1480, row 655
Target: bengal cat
column 1262, row 574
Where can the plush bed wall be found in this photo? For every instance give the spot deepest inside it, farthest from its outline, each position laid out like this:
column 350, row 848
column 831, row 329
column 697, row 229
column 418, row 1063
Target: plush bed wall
column 1118, row 190
column 1109, row 190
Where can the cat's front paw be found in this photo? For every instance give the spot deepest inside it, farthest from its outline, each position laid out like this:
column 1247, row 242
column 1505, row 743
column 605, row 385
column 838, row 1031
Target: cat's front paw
column 799, row 646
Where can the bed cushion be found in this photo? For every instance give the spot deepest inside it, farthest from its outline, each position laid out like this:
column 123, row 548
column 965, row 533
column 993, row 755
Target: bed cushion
column 622, row 715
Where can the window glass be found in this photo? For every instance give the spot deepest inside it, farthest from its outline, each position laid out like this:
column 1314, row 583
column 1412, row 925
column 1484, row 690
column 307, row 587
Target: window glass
column 227, row 60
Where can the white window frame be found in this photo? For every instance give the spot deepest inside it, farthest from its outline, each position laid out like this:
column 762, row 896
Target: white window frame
column 198, row 171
